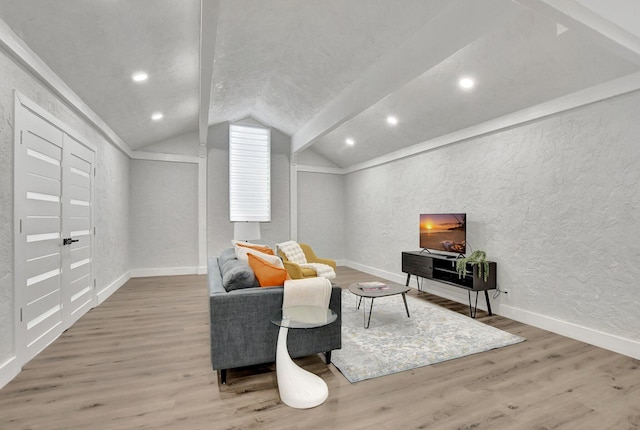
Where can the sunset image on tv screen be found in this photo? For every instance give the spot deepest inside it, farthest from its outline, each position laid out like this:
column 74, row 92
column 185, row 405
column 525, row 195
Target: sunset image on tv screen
column 443, row 232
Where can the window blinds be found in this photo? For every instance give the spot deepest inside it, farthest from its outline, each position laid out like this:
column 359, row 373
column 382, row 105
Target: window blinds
column 249, row 173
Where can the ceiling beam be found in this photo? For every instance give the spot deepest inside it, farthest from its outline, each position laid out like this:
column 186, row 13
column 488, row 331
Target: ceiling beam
column 457, row 25
column 577, row 17
column 208, row 32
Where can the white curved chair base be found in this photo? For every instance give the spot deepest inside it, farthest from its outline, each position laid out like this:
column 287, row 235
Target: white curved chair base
column 298, row 388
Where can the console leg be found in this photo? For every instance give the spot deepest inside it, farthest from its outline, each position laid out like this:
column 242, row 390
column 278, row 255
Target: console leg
column 486, row 296
column 473, row 310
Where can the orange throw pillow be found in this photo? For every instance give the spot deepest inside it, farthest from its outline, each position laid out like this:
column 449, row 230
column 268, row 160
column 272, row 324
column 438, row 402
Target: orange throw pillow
column 268, row 275
column 262, row 248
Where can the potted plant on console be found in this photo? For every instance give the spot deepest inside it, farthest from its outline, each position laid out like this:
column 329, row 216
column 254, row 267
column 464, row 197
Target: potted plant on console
column 478, row 258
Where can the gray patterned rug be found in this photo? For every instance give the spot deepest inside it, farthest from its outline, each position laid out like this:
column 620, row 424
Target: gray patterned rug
column 394, row 343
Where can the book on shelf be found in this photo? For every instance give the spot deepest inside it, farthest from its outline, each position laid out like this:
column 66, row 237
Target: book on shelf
column 373, row 286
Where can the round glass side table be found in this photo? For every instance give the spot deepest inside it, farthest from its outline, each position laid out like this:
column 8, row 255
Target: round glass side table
column 299, row 388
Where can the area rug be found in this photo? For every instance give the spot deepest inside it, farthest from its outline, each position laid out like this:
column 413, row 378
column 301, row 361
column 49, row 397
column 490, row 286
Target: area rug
column 394, row 343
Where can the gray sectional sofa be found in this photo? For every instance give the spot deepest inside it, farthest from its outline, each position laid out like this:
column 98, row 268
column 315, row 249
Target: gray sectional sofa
column 240, row 312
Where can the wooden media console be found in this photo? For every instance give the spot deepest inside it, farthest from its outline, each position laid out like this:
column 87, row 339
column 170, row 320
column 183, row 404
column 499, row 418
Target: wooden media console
column 441, row 268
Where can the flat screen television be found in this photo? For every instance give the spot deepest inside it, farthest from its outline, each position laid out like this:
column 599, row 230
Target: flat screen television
column 444, row 232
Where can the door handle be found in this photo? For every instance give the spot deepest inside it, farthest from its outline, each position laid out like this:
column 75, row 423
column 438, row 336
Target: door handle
column 69, row 241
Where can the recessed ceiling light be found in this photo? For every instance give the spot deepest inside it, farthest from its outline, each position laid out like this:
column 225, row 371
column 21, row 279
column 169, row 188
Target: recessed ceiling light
column 466, row 83
column 157, row 116
column 139, row 76
column 392, row 120
column 350, row 142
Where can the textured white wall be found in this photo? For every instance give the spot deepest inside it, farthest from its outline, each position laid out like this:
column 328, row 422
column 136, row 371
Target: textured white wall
column 163, row 215
column 278, row 230
column 10, row 74
column 111, row 215
column 112, row 197
column 555, row 202
column 219, row 228
column 321, row 214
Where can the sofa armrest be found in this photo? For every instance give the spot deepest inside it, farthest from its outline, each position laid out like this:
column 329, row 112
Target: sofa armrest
column 295, row 271
column 214, row 277
column 313, row 258
column 326, row 261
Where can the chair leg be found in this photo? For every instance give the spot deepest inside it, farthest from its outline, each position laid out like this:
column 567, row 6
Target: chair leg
column 223, row 376
column 327, row 358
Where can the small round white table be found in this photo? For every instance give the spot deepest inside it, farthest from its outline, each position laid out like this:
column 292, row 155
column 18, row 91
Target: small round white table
column 299, row 388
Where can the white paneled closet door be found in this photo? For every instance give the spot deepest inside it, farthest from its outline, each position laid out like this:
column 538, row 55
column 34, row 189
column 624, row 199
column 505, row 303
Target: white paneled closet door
column 54, row 235
column 38, row 192
column 77, row 230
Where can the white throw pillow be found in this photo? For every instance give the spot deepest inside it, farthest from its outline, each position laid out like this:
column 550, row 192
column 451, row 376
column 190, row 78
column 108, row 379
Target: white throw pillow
column 242, row 251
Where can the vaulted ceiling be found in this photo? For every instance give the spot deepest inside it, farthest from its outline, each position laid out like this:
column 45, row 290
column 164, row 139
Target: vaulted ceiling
column 326, row 71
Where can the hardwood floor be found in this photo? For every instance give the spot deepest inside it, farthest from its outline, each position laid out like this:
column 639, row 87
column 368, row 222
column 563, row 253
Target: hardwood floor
column 141, row 361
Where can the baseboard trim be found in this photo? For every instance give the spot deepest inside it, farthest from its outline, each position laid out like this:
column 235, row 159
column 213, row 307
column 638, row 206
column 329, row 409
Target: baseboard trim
column 9, row 370
column 166, row 271
column 389, row 276
column 600, row 339
column 113, row 287
column 597, row 338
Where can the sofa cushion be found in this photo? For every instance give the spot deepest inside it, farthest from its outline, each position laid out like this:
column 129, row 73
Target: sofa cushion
column 269, row 275
column 227, row 254
column 236, row 275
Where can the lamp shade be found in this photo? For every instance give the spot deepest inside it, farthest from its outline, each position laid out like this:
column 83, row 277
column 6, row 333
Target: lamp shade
column 245, row 231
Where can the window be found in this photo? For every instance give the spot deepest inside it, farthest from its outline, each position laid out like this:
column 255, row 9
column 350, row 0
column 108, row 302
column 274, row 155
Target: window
column 249, row 173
